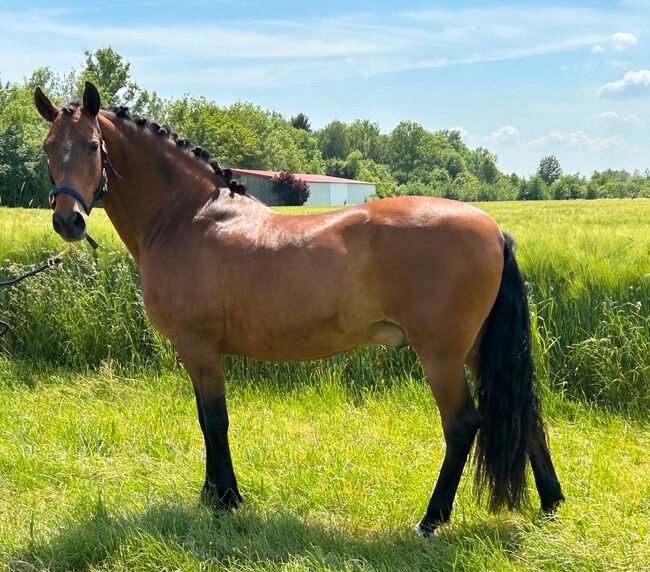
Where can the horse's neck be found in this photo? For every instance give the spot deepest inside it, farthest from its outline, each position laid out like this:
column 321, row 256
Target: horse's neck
column 155, row 184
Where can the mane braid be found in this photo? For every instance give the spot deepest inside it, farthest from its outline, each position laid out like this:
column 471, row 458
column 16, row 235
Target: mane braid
column 122, row 112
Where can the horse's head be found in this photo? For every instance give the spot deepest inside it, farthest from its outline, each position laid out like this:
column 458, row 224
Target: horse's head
column 76, row 159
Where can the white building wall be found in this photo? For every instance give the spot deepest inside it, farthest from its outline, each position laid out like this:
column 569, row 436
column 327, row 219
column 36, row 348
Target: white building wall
column 359, row 193
column 258, row 187
column 339, row 194
column 319, row 195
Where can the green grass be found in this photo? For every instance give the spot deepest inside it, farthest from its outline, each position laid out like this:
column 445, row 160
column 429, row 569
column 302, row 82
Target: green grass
column 103, row 473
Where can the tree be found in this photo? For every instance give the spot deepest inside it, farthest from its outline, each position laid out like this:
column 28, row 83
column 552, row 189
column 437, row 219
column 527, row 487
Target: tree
column 549, row 169
column 453, row 162
column 407, row 145
column 23, row 168
column 289, row 190
column 534, row 189
column 333, row 140
column 569, row 187
column 110, row 74
column 487, row 170
column 477, row 159
column 365, row 137
column 300, row 121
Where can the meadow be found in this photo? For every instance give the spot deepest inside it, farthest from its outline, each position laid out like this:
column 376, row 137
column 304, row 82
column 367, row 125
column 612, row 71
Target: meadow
column 101, row 457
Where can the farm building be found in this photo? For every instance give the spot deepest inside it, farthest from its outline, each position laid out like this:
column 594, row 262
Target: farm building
column 323, row 190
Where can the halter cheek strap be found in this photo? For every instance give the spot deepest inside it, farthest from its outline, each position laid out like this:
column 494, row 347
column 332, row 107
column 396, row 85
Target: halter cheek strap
column 99, row 191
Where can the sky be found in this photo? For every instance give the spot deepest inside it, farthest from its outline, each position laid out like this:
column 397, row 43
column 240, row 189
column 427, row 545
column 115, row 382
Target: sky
column 522, row 79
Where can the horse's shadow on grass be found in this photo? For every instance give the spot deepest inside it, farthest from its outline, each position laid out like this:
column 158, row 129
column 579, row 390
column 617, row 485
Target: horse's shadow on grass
column 174, row 536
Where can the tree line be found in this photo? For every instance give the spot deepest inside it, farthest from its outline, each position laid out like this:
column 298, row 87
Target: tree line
column 410, row 160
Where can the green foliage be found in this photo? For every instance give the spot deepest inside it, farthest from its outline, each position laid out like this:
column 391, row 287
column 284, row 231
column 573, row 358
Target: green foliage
column 246, row 136
column 110, row 74
column 487, row 170
column 365, row 137
column 569, row 187
column 406, row 149
column 23, row 167
column 301, row 121
column 534, row 189
column 549, row 169
column 333, row 140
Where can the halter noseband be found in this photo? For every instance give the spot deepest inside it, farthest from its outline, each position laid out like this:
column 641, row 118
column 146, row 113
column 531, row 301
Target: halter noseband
column 99, row 191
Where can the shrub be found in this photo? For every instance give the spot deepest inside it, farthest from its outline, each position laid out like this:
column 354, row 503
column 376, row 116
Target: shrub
column 290, row 191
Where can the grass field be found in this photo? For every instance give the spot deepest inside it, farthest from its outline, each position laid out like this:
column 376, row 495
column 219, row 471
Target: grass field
column 103, row 472
column 101, row 457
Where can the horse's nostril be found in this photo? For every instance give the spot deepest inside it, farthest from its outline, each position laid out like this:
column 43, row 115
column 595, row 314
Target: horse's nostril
column 57, row 223
column 78, row 222
column 72, row 227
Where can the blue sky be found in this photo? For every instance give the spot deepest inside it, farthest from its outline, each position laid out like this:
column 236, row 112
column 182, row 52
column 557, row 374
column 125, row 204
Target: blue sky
column 522, row 79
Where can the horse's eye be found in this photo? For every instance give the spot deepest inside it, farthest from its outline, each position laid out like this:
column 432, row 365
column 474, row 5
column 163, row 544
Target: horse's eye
column 93, row 146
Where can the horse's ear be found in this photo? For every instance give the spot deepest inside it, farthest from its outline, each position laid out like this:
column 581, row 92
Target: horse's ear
column 45, row 107
column 92, row 101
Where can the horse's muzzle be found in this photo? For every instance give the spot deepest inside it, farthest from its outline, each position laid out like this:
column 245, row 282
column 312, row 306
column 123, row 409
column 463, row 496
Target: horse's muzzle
column 71, row 227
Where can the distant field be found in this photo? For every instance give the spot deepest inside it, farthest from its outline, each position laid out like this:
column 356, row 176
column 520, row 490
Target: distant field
column 101, row 457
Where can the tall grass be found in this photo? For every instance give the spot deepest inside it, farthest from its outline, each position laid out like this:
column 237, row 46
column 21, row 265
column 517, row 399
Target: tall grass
column 588, row 265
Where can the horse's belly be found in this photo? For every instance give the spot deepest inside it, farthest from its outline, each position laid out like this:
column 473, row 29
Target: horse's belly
column 314, row 340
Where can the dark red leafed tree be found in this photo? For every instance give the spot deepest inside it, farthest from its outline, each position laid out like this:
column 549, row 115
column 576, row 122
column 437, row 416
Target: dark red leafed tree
column 290, row 191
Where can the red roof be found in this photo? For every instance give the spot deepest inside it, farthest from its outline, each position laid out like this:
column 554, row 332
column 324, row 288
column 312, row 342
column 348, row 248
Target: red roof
column 307, row 177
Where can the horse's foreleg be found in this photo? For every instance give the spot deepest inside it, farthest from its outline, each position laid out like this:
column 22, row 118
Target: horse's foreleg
column 460, row 423
column 203, row 365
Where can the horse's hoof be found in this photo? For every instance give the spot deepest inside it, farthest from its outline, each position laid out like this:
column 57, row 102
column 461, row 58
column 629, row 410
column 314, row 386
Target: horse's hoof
column 220, row 502
column 424, row 530
column 550, row 506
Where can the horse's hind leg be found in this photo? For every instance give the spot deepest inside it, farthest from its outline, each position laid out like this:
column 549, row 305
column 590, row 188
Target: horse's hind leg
column 548, row 485
column 460, row 421
column 203, row 365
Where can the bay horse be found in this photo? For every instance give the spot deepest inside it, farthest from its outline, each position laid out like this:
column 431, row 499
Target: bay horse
column 222, row 273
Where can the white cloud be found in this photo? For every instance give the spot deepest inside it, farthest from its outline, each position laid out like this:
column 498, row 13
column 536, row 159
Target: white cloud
column 503, row 135
column 597, row 49
column 463, row 132
column 621, row 41
column 633, row 83
column 580, row 140
column 606, row 115
column 618, row 64
column 628, row 118
column 633, row 119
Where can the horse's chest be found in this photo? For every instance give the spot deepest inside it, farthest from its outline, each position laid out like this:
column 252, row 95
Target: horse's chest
column 180, row 301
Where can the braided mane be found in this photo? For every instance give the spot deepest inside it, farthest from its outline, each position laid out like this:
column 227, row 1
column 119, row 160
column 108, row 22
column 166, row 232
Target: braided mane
column 165, row 130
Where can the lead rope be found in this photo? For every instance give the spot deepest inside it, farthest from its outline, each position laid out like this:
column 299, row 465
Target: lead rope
column 50, row 263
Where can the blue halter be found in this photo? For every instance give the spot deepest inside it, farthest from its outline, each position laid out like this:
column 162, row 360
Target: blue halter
column 99, row 192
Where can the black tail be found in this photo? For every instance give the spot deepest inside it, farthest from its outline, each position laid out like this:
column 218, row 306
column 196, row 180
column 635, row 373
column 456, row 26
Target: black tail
column 506, row 401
